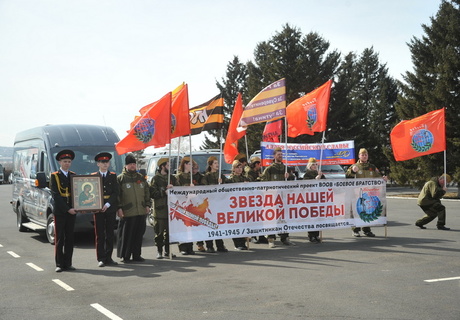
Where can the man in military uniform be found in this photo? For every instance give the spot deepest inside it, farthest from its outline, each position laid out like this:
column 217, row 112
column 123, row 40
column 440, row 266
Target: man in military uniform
column 363, row 169
column 133, row 205
column 104, row 220
column 277, row 172
column 158, row 192
column 429, row 200
column 64, row 213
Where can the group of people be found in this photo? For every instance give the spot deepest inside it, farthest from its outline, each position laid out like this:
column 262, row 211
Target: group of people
column 129, row 196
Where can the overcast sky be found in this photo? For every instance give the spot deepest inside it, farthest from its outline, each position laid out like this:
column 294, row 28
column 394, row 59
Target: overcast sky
column 100, row 61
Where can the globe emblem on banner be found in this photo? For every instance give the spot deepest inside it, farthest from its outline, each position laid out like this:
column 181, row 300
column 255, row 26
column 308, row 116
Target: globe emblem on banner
column 173, row 123
column 422, row 140
column 144, row 130
column 369, row 208
column 312, row 116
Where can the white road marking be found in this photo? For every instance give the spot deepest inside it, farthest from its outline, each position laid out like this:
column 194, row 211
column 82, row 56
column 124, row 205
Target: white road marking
column 63, row 285
column 105, row 312
column 33, row 266
column 13, row 254
column 442, row 279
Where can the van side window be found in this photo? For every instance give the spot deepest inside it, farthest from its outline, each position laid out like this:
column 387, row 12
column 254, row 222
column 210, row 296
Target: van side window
column 33, row 166
column 44, row 165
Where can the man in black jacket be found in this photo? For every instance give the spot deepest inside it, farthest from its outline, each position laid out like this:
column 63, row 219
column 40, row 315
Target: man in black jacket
column 64, row 213
column 104, row 220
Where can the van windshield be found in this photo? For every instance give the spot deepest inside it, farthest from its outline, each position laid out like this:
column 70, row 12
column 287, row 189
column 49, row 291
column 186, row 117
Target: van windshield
column 84, row 159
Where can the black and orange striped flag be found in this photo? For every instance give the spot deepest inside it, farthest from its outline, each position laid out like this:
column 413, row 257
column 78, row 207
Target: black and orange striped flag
column 207, row 116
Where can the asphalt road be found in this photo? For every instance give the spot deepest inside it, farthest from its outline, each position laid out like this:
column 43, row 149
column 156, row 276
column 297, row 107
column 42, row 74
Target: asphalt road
column 342, row 278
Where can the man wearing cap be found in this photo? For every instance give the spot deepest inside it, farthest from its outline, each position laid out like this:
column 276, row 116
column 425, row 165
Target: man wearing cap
column 429, row 200
column 252, row 171
column 158, row 192
column 363, row 169
column 64, row 213
column 133, row 205
column 277, row 172
column 104, row 220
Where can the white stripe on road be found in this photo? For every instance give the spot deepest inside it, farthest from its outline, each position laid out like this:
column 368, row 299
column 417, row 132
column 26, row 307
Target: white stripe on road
column 442, row 279
column 105, row 312
column 13, row 254
column 63, row 285
column 33, row 266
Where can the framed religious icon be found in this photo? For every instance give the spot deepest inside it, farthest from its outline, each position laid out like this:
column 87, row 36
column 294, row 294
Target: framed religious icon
column 87, row 193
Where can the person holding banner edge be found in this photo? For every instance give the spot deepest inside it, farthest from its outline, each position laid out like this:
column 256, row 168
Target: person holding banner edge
column 277, row 172
column 158, row 192
column 313, row 173
column 363, row 169
column 212, row 177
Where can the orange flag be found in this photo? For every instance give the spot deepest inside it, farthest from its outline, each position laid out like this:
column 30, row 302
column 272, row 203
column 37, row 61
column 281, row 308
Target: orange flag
column 420, row 136
column 308, row 114
column 180, row 121
column 231, row 142
column 151, row 129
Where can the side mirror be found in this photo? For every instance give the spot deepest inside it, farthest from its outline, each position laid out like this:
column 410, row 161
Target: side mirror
column 40, row 180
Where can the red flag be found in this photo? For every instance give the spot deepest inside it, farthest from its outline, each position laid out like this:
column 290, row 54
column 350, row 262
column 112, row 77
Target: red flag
column 180, row 121
column 272, row 131
column 420, row 136
column 151, row 129
column 308, row 114
column 231, row 143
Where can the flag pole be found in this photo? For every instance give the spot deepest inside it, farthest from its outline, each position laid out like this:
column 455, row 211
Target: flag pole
column 322, row 149
column 285, row 148
column 169, row 162
column 445, row 169
column 246, row 143
column 191, row 159
column 220, row 156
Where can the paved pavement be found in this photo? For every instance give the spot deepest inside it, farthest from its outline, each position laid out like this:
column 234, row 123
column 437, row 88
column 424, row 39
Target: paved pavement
column 402, row 273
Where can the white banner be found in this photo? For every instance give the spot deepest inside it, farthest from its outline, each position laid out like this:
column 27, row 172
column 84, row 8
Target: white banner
column 260, row 208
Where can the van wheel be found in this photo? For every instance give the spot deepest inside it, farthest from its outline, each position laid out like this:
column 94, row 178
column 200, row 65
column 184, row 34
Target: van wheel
column 21, row 219
column 50, row 228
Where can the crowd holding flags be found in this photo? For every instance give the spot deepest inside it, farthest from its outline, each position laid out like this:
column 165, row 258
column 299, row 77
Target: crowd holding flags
column 170, row 117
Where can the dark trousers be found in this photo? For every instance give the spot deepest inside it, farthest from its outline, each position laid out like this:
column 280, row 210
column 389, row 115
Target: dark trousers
column 431, row 212
column 104, row 228
column 63, row 239
column 239, row 242
column 130, row 233
column 219, row 244
column 161, row 228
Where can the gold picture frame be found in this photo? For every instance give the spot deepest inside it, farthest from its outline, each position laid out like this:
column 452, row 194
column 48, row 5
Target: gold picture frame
column 87, row 193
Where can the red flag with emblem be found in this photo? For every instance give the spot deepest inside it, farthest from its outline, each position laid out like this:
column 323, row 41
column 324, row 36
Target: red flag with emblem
column 153, row 128
column 420, row 136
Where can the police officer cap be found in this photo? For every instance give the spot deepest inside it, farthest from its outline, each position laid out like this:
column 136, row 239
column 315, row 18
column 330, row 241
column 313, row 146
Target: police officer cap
column 162, row 161
column 103, row 156
column 65, row 154
column 130, row 159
